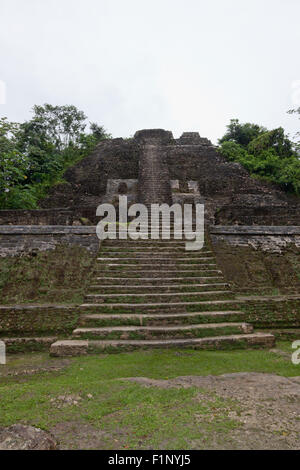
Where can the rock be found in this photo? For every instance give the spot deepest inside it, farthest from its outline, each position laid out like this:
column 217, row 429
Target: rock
column 20, row 437
column 69, row 348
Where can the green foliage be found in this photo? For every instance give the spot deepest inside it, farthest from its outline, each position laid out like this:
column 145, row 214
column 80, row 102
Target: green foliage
column 242, row 134
column 35, row 154
column 289, row 176
column 275, row 140
column 297, row 136
column 232, row 151
column 266, row 154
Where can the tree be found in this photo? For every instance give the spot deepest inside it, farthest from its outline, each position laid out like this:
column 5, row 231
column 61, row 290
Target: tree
column 275, row 139
column 232, row 151
column 35, row 154
column 55, row 138
column 60, row 125
column 8, row 135
column 13, row 168
column 242, row 134
column 297, row 136
column 289, row 176
column 269, row 154
column 99, row 132
column 13, row 164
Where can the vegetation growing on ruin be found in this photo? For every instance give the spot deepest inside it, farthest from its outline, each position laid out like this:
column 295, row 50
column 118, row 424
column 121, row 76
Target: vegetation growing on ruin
column 269, row 155
column 35, row 154
column 52, row 276
column 251, row 271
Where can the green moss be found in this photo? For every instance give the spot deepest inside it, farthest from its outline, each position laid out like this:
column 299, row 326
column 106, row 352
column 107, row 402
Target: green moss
column 257, row 272
column 60, row 275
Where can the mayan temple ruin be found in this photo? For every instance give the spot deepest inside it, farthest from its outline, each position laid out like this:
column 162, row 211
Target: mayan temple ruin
column 153, row 293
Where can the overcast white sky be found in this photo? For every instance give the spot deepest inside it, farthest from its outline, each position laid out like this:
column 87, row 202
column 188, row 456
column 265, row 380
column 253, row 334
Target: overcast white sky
column 183, row 65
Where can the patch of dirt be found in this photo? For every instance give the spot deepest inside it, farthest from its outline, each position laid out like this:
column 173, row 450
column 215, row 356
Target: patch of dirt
column 79, row 435
column 68, row 400
column 268, row 408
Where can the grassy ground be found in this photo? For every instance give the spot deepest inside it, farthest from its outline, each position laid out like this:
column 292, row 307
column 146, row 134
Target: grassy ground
column 54, row 276
column 90, row 402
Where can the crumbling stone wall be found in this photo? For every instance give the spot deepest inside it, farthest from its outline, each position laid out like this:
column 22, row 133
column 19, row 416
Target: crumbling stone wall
column 231, row 196
column 265, row 238
column 17, row 240
column 75, row 216
column 87, row 180
column 243, row 211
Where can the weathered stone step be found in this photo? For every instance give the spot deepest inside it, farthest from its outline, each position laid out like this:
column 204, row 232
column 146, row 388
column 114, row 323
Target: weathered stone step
column 138, row 264
column 142, row 243
column 154, row 297
column 156, row 274
column 133, row 261
column 98, row 320
column 199, row 271
column 158, row 252
column 145, row 250
column 160, row 307
column 144, row 253
column 163, row 332
column 160, row 235
column 162, row 288
column 159, row 269
column 78, row 347
column 156, row 281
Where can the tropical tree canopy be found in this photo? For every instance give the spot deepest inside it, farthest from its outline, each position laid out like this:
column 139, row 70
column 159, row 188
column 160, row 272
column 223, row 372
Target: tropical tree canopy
column 35, row 153
column 268, row 155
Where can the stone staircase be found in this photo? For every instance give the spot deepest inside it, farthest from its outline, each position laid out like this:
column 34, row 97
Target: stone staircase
column 154, row 294
column 154, row 179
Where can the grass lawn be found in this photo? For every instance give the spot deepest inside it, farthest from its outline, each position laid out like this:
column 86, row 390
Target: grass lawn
column 88, row 403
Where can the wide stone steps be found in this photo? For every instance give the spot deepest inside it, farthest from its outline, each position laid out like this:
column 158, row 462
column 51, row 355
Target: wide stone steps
column 154, row 294
column 158, row 319
column 120, row 268
column 146, row 249
column 239, row 341
column 157, row 260
column 154, row 297
column 152, row 244
column 163, row 332
column 157, row 253
column 167, row 263
column 156, row 281
column 160, row 307
column 162, row 288
column 159, row 235
column 198, row 270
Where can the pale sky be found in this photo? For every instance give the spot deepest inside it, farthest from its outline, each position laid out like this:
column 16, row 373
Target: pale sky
column 183, row 65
